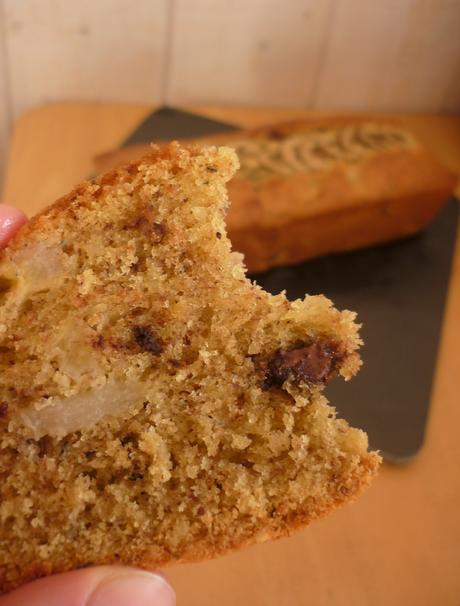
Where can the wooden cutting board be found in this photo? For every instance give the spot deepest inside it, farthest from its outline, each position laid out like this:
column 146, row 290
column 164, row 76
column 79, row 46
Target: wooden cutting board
column 400, row 543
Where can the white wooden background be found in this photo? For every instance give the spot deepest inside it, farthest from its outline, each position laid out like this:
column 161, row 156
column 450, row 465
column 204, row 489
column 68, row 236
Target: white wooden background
column 341, row 54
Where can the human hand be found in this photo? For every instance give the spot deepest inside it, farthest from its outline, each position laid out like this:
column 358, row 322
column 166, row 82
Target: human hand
column 98, row 586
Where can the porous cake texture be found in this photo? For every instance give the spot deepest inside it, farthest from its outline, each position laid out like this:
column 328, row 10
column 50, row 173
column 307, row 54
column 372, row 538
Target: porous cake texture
column 155, row 405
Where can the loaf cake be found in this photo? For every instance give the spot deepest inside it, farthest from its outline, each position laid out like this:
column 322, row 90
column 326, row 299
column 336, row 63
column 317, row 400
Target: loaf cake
column 155, row 405
column 323, row 185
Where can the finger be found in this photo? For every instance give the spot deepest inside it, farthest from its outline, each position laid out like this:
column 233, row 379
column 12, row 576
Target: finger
column 101, row 586
column 11, row 220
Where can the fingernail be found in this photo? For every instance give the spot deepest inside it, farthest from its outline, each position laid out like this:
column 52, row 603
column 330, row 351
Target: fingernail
column 139, row 588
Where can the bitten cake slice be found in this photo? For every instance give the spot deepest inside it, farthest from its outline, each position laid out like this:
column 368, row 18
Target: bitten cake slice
column 155, row 406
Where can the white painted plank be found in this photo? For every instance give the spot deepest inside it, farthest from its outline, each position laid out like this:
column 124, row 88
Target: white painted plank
column 108, row 50
column 392, row 55
column 4, row 103
column 264, row 52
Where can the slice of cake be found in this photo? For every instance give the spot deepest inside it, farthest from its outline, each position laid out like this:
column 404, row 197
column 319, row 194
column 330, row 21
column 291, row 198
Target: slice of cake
column 155, row 406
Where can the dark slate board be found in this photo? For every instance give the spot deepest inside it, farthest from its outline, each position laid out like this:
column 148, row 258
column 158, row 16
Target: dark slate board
column 399, row 291
column 168, row 123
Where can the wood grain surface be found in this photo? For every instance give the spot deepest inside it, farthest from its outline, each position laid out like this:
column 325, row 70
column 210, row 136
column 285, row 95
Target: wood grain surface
column 400, row 543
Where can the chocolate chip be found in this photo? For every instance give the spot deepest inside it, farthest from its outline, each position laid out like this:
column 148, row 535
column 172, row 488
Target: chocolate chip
column 211, row 168
column 89, row 473
column 44, row 446
column 130, row 438
column 3, row 409
column 160, row 231
column 136, row 476
column 66, row 443
column 146, row 340
column 218, row 235
column 98, row 343
column 312, row 363
column 90, row 454
column 240, row 401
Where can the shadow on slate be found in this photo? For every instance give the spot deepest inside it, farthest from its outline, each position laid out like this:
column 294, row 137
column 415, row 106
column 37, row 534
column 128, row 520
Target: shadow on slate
column 399, row 291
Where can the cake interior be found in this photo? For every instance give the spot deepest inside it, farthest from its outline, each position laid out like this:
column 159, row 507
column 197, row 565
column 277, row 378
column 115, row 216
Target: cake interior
column 155, row 405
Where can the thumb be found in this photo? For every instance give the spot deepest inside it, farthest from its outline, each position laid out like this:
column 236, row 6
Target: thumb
column 101, row 586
